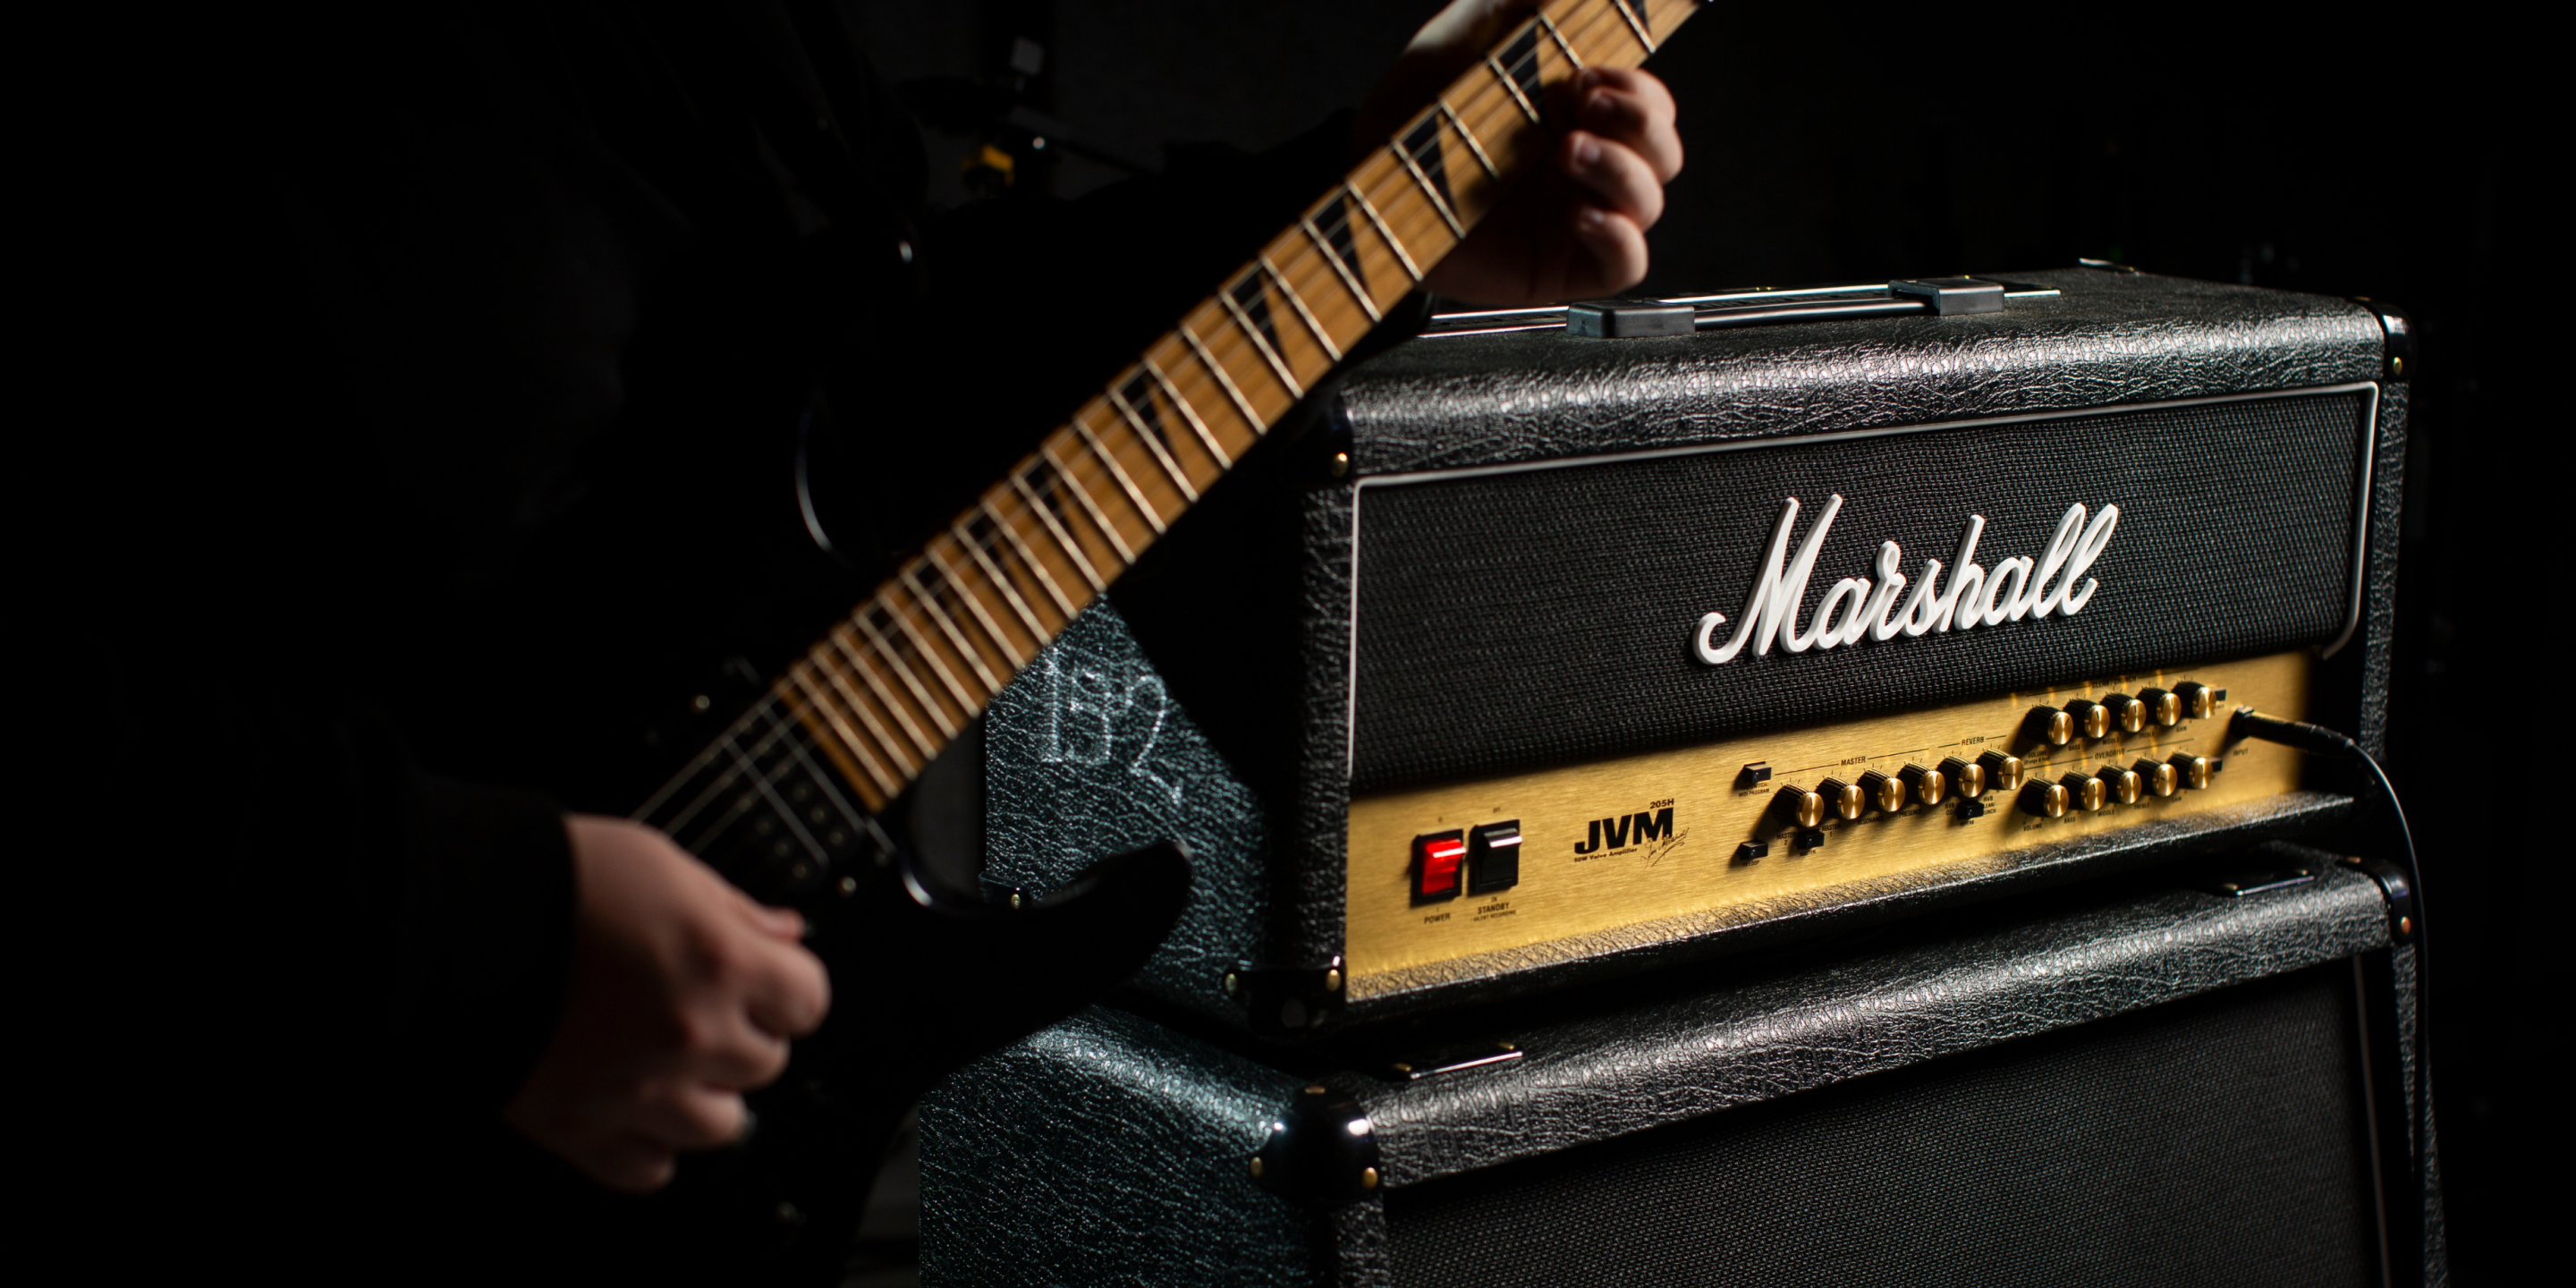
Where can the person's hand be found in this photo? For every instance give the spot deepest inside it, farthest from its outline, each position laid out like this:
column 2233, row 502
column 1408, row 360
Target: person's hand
column 683, row 995
column 1577, row 227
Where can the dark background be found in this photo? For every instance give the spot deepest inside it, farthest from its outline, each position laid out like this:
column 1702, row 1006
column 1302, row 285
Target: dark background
column 2343, row 150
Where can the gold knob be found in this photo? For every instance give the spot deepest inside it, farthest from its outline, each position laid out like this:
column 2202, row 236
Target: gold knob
column 2124, row 785
column 2047, row 800
column 2198, row 700
column 2050, row 725
column 1842, row 800
column 2163, row 706
column 1884, row 794
column 2161, row 779
column 1926, row 785
column 2083, row 791
column 2193, row 770
column 2092, row 719
column 1967, row 782
column 1805, row 808
column 2128, row 715
column 2003, row 773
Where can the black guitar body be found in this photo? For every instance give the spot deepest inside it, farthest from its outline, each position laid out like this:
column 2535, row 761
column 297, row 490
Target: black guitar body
column 576, row 667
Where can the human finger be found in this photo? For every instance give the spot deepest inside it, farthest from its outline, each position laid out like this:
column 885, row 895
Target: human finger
column 1637, row 110
column 777, row 923
column 786, row 991
column 1614, row 176
column 737, row 1053
column 630, row 1163
column 1616, row 245
column 690, row 1115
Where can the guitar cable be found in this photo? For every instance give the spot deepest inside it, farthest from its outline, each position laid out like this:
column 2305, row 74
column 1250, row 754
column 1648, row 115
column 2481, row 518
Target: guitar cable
column 2317, row 740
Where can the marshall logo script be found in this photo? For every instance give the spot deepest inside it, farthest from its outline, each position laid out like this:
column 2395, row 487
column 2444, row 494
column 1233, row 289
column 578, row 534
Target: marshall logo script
column 2018, row 587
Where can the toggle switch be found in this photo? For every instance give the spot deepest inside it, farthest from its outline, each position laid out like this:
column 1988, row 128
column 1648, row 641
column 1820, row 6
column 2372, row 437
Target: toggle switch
column 1436, row 857
column 1493, row 857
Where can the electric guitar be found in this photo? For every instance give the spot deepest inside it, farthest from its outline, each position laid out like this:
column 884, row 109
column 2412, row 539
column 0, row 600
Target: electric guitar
column 786, row 798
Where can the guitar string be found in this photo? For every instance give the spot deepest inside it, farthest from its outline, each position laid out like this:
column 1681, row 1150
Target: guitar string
column 1480, row 102
column 1409, row 198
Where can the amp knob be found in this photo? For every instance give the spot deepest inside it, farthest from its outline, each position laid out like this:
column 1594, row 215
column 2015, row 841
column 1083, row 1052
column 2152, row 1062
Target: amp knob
column 1804, row 808
column 1967, row 782
column 1884, row 794
column 2083, row 791
column 2049, row 725
column 2192, row 770
column 2003, row 773
column 2123, row 785
column 2160, row 777
column 1842, row 800
column 2198, row 700
column 2045, row 799
column 1925, row 785
column 2092, row 719
column 2128, row 715
column 2164, row 706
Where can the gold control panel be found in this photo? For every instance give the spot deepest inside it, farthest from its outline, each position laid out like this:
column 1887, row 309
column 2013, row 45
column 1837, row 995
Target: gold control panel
column 1635, row 846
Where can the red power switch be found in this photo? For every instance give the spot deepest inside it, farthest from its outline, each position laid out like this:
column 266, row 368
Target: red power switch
column 1435, row 865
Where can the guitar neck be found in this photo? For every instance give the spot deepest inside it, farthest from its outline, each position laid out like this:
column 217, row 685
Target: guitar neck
column 864, row 711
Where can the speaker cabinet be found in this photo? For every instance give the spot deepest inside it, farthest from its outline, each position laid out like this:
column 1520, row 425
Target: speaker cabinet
column 2205, row 1082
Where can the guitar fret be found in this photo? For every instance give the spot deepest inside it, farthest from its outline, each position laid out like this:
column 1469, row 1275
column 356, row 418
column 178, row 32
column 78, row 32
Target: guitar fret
column 1634, row 25
column 847, row 728
column 1423, row 181
column 1172, row 394
column 1402, row 256
column 1468, row 137
column 928, row 705
column 1359, row 293
column 1090, row 509
column 1511, row 88
column 948, row 627
column 1561, row 42
column 1208, row 360
column 1253, row 333
column 858, row 706
column 1153, row 444
column 887, row 785
column 885, row 697
column 975, row 605
column 1028, row 557
column 930, row 659
column 1153, row 518
column 1298, row 302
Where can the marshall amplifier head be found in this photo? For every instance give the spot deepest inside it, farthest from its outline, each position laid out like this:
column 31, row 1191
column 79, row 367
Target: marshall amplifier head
column 1561, row 650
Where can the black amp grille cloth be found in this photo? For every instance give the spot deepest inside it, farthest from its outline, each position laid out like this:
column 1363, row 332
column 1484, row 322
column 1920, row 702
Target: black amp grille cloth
column 2218, row 1140
column 1514, row 621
